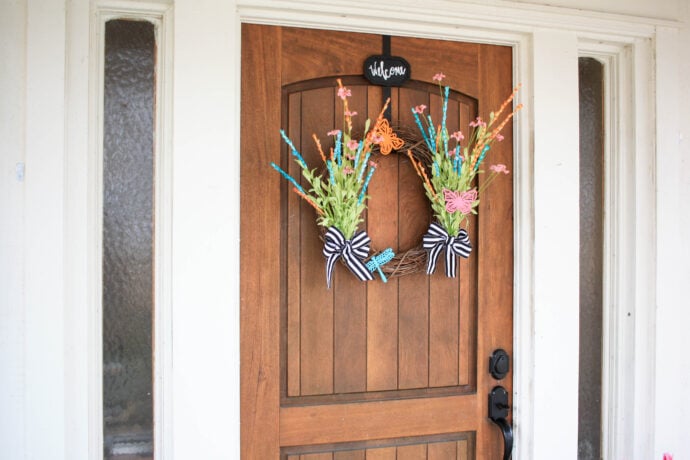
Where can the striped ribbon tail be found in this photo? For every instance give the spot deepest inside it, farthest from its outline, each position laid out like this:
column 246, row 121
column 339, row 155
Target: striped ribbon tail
column 352, row 251
column 437, row 239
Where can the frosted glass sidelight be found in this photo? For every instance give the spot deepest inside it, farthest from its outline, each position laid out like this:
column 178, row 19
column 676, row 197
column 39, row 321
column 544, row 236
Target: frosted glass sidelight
column 591, row 256
column 128, row 269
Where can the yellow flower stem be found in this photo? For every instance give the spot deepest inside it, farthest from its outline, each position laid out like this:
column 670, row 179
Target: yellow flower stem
column 419, row 168
column 308, row 200
column 479, row 147
column 318, row 145
column 507, row 101
column 503, row 123
column 487, row 182
column 439, row 138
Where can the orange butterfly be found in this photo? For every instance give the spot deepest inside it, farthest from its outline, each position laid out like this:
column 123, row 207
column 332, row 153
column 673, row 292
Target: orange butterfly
column 388, row 140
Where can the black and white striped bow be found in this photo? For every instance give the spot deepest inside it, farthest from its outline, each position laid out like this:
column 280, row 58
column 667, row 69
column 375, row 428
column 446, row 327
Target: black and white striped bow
column 352, row 251
column 437, row 239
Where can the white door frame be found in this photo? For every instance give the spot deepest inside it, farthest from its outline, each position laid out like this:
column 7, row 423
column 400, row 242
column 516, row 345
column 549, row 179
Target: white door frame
column 202, row 396
column 547, row 42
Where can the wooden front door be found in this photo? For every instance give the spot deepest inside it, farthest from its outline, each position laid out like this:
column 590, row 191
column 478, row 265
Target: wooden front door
column 374, row 370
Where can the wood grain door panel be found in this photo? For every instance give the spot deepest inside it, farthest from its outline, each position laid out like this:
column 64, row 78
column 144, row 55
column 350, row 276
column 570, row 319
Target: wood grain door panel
column 451, row 446
column 365, row 370
column 333, row 347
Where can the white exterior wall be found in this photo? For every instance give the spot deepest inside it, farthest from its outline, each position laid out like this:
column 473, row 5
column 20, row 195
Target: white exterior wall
column 12, row 319
column 44, row 389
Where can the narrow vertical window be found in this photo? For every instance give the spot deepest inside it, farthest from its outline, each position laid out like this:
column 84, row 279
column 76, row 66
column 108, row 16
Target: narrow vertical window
column 591, row 256
column 128, row 269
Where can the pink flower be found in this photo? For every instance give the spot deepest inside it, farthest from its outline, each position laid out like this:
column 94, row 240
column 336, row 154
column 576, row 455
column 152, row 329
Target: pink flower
column 372, row 164
column 457, row 135
column 420, row 108
column 454, row 151
column 477, row 122
column 333, row 132
column 499, row 137
column 350, row 114
column 347, row 170
column 438, row 77
column 343, row 93
column 668, row 456
column 352, row 145
column 499, row 168
column 377, row 138
column 349, row 156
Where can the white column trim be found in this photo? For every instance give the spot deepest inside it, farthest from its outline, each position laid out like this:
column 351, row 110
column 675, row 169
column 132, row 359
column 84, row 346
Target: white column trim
column 80, row 377
column 523, row 230
column 206, row 188
column 44, row 224
column 670, row 371
column 163, row 320
column 13, row 55
column 644, row 209
column 555, row 307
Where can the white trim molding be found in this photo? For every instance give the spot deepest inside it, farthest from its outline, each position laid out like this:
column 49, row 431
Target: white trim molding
column 83, row 224
column 672, row 236
column 643, row 254
column 481, row 19
column 628, row 370
column 523, row 170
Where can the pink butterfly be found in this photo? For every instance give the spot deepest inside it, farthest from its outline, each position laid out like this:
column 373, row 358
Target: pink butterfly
column 459, row 201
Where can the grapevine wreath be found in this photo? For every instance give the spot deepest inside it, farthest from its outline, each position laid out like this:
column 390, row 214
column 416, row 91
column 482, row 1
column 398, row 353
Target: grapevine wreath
column 446, row 167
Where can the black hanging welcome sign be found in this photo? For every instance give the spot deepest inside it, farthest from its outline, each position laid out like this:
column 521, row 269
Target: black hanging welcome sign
column 385, row 70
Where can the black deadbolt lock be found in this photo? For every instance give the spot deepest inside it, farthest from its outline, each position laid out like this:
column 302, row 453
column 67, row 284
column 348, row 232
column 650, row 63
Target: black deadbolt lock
column 499, row 364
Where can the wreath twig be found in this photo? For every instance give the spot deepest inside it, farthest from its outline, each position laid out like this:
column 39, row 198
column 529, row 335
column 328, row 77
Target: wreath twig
column 412, row 260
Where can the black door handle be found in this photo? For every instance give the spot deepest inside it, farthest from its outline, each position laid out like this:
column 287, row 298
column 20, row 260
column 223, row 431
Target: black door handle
column 498, row 412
